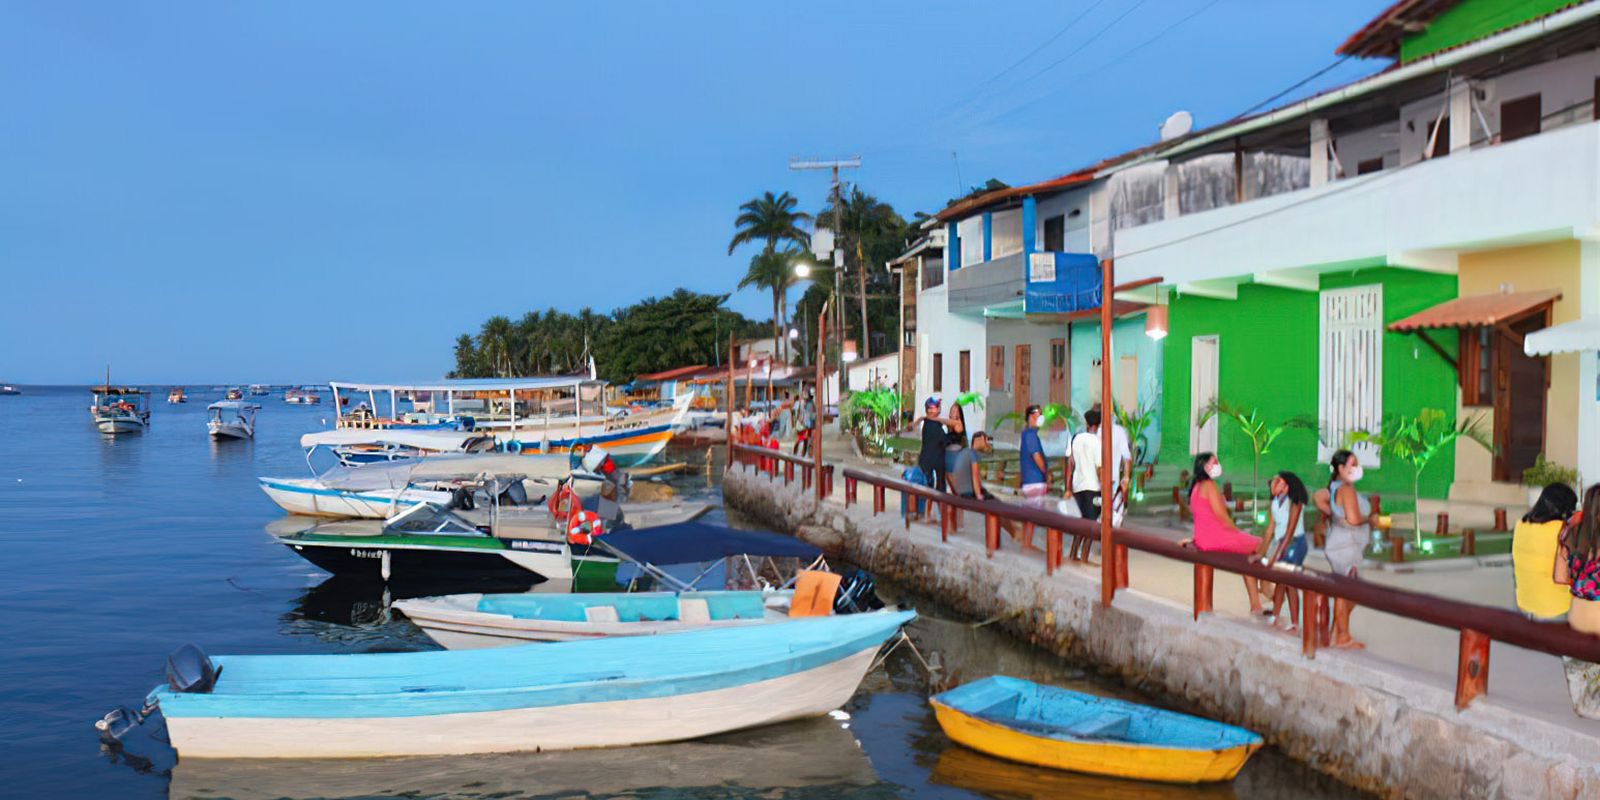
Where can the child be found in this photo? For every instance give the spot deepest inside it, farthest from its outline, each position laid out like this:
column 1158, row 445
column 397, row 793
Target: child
column 1286, row 520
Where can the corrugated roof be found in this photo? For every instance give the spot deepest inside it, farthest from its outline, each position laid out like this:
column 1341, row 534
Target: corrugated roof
column 971, row 204
column 1484, row 310
column 667, row 375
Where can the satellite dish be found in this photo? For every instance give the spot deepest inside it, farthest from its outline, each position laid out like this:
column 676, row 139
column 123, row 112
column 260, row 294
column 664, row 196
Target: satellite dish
column 1177, row 125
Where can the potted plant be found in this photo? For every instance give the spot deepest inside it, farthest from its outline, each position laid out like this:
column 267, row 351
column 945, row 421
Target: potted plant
column 1542, row 474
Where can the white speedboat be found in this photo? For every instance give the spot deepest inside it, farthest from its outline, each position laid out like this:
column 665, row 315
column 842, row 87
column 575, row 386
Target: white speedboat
column 120, row 409
column 232, row 419
column 356, row 446
column 381, row 490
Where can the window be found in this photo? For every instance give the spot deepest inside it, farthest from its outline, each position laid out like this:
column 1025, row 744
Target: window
column 1350, row 363
column 1477, row 367
column 997, row 368
column 1005, row 233
column 964, row 377
column 1441, row 145
column 938, row 372
column 1055, row 234
column 1520, row 117
column 932, row 271
column 1370, row 165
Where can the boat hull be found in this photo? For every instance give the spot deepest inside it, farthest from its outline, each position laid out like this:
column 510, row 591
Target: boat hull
column 424, row 563
column 303, row 499
column 459, row 627
column 229, row 431
column 118, row 426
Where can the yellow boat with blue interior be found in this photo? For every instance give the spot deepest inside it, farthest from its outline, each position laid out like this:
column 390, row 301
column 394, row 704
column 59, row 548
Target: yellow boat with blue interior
column 1023, row 721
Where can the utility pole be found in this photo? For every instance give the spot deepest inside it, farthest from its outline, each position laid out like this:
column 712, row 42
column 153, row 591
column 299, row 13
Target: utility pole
column 836, row 193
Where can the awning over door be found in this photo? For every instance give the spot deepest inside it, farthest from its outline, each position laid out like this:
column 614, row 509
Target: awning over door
column 1481, row 311
column 1577, row 336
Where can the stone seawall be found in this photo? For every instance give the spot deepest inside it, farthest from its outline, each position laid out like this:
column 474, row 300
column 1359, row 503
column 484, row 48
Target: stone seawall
column 1369, row 723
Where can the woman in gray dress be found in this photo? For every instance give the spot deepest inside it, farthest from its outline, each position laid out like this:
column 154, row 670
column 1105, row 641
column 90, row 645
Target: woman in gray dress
column 1350, row 521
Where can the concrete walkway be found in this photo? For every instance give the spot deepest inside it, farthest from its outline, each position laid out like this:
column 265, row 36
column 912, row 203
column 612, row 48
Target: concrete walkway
column 1529, row 682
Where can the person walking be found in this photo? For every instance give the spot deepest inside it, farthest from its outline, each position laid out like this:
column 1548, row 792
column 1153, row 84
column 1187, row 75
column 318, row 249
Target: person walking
column 1034, row 467
column 1578, row 566
column 1350, row 520
column 1121, row 464
column 1214, row 531
column 1085, row 450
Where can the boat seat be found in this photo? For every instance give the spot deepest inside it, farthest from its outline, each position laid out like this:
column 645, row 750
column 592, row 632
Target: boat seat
column 1109, row 725
column 600, row 614
column 693, row 611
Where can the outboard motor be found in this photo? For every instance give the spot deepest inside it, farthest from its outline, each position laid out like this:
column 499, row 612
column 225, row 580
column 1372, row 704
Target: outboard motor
column 190, row 670
column 857, row 593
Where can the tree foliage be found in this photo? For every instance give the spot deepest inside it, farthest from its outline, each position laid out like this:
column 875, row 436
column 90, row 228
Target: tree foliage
column 870, row 232
column 1416, row 440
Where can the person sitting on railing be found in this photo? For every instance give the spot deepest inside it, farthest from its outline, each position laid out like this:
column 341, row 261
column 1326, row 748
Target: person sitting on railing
column 1214, row 531
column 1286, row 519
column 1350, row 520
column 1578, row 565
column 965, row 478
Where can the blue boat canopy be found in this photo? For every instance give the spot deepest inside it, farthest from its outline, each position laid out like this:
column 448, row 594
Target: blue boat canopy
column 699, row 542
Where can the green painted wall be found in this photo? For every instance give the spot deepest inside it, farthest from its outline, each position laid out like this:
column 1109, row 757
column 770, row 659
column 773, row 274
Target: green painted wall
column 1267, row 350
column 1472, row 20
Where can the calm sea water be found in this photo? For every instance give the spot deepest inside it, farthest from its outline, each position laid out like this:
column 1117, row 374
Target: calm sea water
column 119, row 549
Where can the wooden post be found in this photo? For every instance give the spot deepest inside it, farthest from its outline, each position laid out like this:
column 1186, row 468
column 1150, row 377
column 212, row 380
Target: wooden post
column 1227, row 491
column 1499, row 520
column 1442, row 526
column 1324, row 620
column 944, row 521
column 1202, row 588
column 1052, row 551
column 819, row 401
column 788, row 472
column 991, row 534
column 877, row 499
column 727, row 418
column 1108, row 553
column 1310, row 604
column 1122, row 566
column 1397, row 549
column 1472, row 668
column 1027, row 536
column 1469, row 541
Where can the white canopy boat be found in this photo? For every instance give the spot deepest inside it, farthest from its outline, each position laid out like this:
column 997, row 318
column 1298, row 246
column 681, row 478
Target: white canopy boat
column 232, row 419
column 380, row 490
column 355, row 446
column 610, row 692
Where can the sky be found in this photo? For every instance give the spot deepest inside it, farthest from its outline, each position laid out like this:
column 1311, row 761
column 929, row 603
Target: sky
column 213, row 192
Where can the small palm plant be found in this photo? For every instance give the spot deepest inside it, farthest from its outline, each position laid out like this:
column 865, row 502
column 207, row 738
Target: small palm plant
column 1416, row 440
column 872, row 412
column 1135, row 422
column 1255, row 428
column 1058, row 415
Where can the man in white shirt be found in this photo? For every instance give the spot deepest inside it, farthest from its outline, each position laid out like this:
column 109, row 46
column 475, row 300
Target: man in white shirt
column 1086, row 466
column 1121, row 468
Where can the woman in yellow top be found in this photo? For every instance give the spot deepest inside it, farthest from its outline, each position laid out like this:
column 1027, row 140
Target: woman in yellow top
column 1533, row 554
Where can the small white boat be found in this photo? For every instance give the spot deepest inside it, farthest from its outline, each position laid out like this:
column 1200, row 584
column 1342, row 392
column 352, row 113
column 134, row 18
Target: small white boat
column 6, row 388
column 120, row 409
column 471, row 621
column 177, row 395
column 355, row 446
column 232, row 419
column 381, row 490
column 296, row 396
column 611, row 692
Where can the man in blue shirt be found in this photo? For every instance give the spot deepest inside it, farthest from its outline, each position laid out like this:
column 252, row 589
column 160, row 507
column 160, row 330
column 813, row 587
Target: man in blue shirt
column 1035, row 470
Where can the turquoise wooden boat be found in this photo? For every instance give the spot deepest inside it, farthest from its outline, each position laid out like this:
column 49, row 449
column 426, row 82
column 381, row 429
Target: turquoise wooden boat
column 560, row 696
column 1050, row 727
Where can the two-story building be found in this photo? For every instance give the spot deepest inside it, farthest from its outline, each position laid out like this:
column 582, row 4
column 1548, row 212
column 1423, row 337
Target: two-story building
column 1388, row 245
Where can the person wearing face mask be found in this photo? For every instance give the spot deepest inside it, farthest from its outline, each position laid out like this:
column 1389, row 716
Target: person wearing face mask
column 1350, row 521
column 1213, row 526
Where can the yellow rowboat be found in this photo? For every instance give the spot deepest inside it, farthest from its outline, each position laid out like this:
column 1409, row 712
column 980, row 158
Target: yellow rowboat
column 1023, row 721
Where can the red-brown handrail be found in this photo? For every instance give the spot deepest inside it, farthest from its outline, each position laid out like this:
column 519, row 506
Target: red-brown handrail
column 1477, row 625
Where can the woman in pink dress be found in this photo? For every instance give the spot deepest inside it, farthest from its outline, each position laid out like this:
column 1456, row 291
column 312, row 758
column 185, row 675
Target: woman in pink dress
column 1213, row 526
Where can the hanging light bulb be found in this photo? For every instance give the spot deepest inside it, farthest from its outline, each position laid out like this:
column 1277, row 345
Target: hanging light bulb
column 1155, row 322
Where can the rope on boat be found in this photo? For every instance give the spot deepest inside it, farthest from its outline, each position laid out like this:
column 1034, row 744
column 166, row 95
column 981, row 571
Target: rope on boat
column 904, row 639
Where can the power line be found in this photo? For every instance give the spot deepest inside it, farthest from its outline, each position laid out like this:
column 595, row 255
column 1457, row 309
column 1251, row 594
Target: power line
column 1164, row 31
column 1091, row 40
column 1303, row 81
column 976, row 90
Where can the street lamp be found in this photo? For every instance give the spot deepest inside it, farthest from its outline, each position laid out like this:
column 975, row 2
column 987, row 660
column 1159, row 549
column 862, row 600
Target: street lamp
column 802, row 270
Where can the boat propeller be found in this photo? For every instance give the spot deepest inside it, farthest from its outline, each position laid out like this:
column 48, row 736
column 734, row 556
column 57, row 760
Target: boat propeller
column 120, row 720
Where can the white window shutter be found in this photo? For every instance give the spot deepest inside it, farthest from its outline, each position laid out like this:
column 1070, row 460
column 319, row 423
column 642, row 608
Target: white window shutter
column 1350, row 369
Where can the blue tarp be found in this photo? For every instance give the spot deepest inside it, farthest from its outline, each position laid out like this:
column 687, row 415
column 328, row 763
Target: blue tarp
column 699, row 542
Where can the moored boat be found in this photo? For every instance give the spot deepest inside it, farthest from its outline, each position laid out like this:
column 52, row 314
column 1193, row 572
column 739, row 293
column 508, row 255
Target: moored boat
column 259, row 390
column 1050, row 727
column 232, row 419
column 6, row 388
column 301, row 396
column 177, row 395
column 120, row 409
column 563, row 696
column 381, row 490
column 233, row 393
column 358, row 446
column 470, row 621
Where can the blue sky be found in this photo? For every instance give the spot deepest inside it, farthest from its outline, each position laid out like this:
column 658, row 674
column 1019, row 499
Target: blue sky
column 230, row 192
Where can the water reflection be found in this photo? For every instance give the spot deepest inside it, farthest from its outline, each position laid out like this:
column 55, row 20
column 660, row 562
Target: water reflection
column 817, row 754
column 967, row 769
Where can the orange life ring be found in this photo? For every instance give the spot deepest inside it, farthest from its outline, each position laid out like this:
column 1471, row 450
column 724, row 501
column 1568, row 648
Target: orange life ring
column 563, row 502
column 583, row 527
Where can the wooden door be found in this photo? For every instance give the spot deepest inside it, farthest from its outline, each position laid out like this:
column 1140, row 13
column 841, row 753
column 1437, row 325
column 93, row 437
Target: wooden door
column 938, row 372
column 1521, row 389
column 997, row 368
column 1127, row 383
column 1024, row 382
column 964, row 380
column 1203, row 374
column 1058, row 371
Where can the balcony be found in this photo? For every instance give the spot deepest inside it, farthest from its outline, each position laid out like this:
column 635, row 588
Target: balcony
column 1535, row 189
column 1022, row 283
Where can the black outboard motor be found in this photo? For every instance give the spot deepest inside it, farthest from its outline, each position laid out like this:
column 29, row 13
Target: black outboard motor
column 190, row 670
column 857, row 593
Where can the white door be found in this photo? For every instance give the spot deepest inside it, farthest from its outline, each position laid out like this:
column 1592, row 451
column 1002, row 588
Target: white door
column 1350, row 363
column 1127, row 387
column 1203, row 364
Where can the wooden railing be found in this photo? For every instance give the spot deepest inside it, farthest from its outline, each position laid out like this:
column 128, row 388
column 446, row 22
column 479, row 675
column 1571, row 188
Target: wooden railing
column 767, row 462
column 1477, row 625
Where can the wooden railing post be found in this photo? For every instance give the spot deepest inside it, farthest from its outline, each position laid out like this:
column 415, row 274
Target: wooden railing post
column 1472, row 668
column 1442, row 526
column 877, row 499
column 849, row 490
column 991, row 534
column 1310, row 609
column 1324, row 620
column 944, row 521
column 788, row 472
column 1499, row 520
column 1027, row 536
column 1052, row 550
column 1122, row 565
column 1469, row 541
column 1397, row 549
column 1202, row 588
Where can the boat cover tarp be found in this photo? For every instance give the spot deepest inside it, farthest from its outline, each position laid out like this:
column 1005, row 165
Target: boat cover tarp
column 234, row 405
column 697, row 542
column 396, row 474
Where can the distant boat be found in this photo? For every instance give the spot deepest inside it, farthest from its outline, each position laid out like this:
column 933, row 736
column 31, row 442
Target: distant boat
column 234, row 393
column 301, row 397
column 119, row 409
column 1024, row 721
column 177, row 395
column 562, row 696
column 258, row 390
column 232, row 419
column 6, row 388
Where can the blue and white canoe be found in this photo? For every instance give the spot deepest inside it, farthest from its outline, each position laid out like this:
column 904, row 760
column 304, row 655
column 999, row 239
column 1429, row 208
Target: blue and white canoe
column 563, row 696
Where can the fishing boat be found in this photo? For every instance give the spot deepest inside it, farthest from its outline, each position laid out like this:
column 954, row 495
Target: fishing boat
column 6, row 388
column 232, row 419
column 177, row 395
column 1042, row 725
column 612, row 692
column 555, row 414
column 353, row 446
column 429, row 542
column 258, row 390
column 301, row 396
column 120, row 409
column 467, row 621
column 381, row 490
column 233, row 393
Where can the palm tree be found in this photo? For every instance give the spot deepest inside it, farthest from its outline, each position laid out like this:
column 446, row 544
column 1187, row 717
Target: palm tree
column 862, row 221
column 771, row 219
column 494, row 341
column 773, row 270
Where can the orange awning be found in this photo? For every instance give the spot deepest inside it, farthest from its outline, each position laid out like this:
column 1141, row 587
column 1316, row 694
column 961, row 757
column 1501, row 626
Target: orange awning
column 1481, row 311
